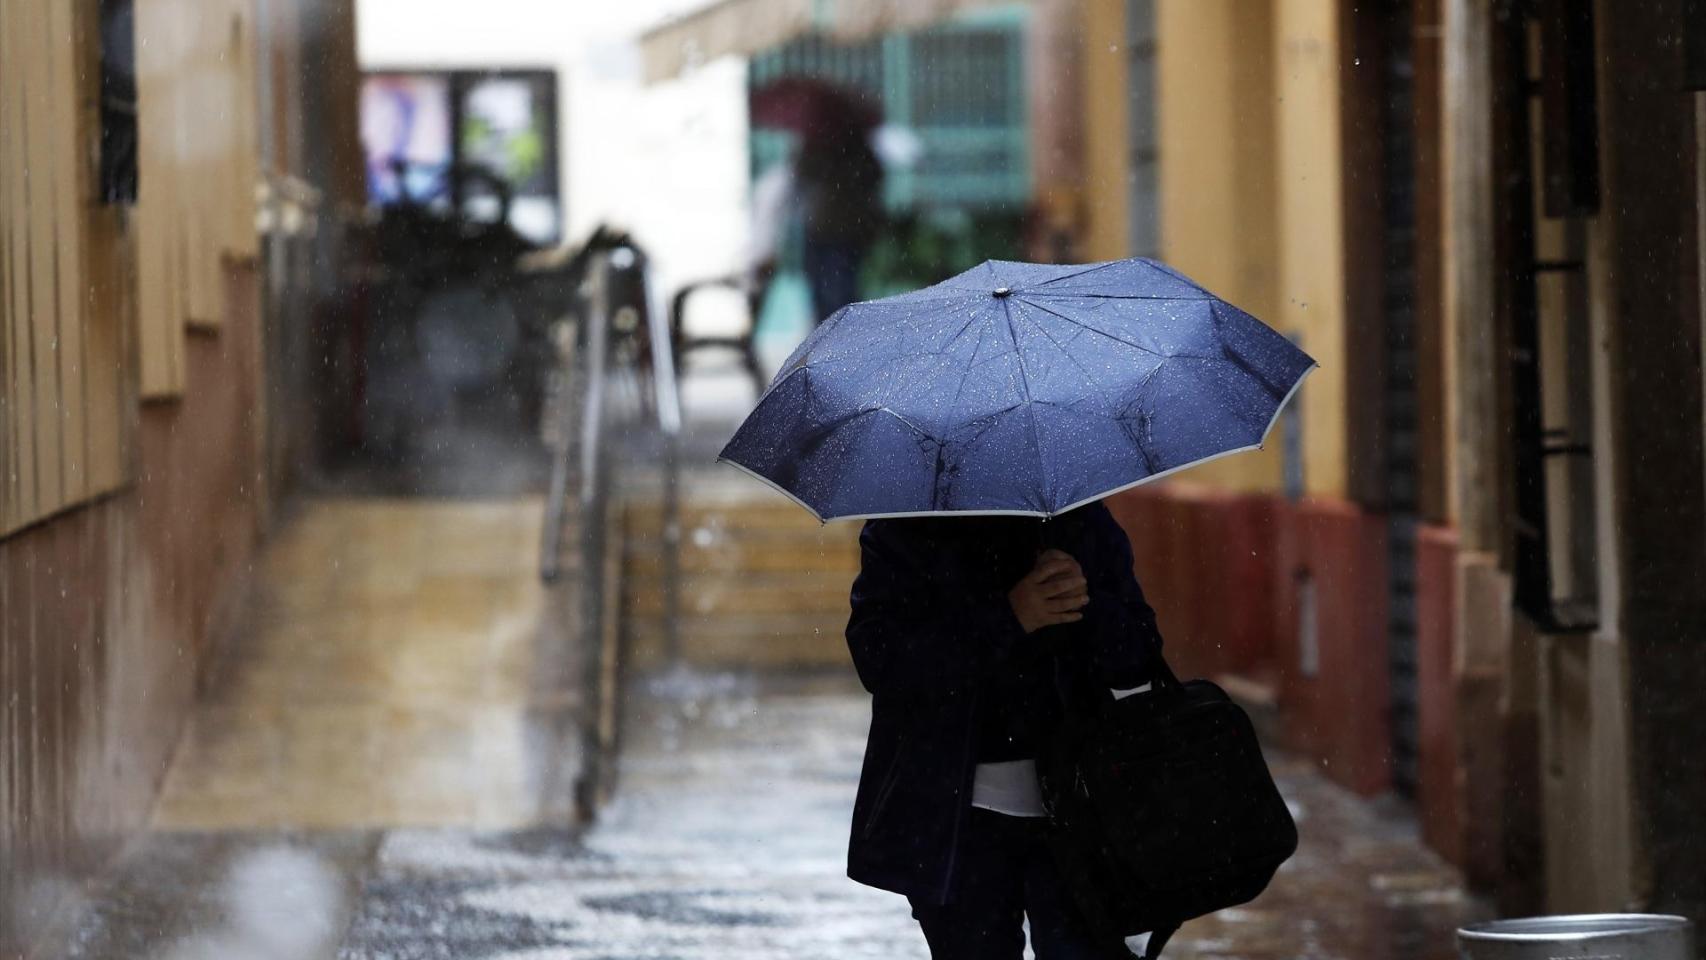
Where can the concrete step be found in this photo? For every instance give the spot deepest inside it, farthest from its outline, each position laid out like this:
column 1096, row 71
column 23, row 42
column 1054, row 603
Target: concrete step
column 763, row 584
column 721, row 555
column 738, row 592
column 776, row 641
column 741, row 519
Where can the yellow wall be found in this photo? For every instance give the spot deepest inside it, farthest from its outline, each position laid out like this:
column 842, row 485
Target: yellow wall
column 198, row 165
column 1251, row 194
column 1248, row 110
column 1105, row 62
column 63, row 366
column 1218, row 205
column 1310, row 250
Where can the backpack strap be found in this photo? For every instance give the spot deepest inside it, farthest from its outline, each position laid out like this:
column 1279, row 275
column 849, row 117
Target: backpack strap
column 1163, row 674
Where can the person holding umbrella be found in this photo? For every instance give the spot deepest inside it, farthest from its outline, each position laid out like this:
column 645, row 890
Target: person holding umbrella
column 972, row 637
column 837, row 180
column 976, row 425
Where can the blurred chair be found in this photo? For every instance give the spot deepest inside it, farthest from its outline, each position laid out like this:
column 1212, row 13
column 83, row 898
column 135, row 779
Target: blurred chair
column 752, row 286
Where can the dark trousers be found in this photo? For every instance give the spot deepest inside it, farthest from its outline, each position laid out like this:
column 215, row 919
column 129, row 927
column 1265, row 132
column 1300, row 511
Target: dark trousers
column 832, row 273
column 1006, row 874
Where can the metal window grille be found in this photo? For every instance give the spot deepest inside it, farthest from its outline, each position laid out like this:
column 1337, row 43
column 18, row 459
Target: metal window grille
column 118, row 183
column 959, row 87
column 1400, row 403
column 1547, row 45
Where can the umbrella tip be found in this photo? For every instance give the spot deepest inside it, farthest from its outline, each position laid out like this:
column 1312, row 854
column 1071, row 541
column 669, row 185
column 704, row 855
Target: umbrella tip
column 1003, row 291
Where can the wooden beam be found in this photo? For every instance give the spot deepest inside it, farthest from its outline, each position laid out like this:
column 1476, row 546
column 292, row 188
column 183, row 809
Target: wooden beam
column 244, row 241
column 70, row 195
column 109, row 269
column 203, row 124
column 20, row 352
column 39, row 173
column 8, row 402
column 8, row 485
column 160, row 321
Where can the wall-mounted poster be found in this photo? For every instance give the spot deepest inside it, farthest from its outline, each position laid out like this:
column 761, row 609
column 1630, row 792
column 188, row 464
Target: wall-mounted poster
column 463, row 139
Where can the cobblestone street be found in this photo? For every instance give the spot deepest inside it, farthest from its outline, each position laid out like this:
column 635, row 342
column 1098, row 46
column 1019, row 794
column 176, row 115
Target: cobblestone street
column 727, row 840
column 389, row 816
column 459, row 460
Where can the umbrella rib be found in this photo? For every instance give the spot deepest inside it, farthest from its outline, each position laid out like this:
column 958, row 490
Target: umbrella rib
column 915, row 428
column 1215, row 385
column 1025, row 379
column 1090, row 269
column 802, row 351
column 1088, row 376
column 1176, row 275
column 1033, row 292
column 957, row 293
column 960, row 390
column 980, row 286
column 1236, row 358
column 1086, row 326
column 918, row 375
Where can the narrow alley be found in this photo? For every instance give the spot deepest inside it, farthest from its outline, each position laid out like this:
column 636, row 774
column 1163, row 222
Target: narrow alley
column 439, row 441
column 729, row 841
column 384, row 769
column 400, row 668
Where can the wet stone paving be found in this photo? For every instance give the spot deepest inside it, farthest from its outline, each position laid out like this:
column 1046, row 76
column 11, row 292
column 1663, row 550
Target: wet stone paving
column 727, row 839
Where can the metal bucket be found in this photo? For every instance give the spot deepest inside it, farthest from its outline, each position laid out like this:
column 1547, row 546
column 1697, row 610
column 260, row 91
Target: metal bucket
column 1588, row 936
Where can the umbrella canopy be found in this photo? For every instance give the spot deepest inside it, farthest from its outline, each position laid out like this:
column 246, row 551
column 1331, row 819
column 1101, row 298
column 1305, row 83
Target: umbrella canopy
column 1016, row 388
column 811, row 107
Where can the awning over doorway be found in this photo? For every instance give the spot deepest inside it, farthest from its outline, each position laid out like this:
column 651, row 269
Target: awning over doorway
column 745, row 27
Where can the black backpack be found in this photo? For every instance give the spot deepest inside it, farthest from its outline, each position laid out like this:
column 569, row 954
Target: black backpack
column 1163, row 809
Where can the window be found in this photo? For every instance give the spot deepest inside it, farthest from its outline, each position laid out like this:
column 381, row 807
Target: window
column 477, row 141
column 958, row 88
column 1552, row 192
column 118, row 102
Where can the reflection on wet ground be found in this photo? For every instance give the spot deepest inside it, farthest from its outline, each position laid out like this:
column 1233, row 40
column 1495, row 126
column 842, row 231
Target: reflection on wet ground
column 727, row 840
column 394, row 673
column 224, row 896
column 380, row 773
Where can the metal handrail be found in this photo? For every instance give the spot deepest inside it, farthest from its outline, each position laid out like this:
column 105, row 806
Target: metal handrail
column 598, row 728
column 587, row 358
column 668, row 408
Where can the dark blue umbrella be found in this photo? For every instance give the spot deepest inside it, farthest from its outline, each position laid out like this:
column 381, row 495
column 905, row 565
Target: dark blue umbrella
column 1016, row 388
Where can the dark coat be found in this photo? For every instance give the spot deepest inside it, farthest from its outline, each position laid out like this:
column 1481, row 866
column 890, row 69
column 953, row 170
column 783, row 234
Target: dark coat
column 931, row 626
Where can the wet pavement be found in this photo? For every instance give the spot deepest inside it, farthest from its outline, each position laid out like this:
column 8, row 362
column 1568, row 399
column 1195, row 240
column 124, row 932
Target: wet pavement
column 727, row 840
column 401, row 665
column 381, row 774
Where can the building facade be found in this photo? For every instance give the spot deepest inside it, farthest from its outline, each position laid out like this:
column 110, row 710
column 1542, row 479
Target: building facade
column 165, row 209
column 1468, row 569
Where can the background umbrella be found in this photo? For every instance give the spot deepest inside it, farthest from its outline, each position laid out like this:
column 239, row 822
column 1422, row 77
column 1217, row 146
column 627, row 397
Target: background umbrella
column 1016, row 388
column 810, row 107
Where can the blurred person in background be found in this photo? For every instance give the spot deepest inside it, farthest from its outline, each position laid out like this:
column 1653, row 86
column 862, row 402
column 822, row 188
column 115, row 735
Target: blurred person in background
column 838, row 180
